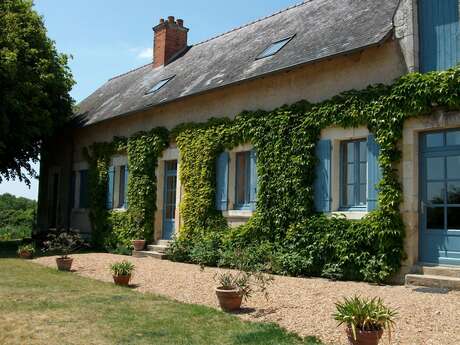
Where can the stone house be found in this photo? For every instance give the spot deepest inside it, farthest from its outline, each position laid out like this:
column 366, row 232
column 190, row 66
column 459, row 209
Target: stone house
column 313, row 51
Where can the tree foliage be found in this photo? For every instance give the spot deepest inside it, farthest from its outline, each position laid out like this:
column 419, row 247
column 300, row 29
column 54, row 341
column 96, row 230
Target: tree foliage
column 34, row 88
column 16, row 216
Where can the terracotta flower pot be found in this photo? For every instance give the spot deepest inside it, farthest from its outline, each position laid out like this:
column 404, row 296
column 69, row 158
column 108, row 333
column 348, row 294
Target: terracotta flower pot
column 364, row 337
column 26, row 254
column 122, row 280
column 229, row 299
column 138, row 245
column 64, row 264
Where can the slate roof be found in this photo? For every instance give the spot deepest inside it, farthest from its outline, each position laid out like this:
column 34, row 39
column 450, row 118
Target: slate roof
column 322, row 28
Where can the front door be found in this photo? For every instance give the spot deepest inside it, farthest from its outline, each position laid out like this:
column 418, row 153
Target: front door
column 169, row 199
column 440, row 197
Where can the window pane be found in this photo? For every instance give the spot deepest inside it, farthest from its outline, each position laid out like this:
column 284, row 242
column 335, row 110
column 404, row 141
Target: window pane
column 434, row 140
column 435, row 217
column 350, row 173
column 241, row 178
column 453, row 218
column 350, row 196
column 121, row 191
column 362, row 172
column 362, row 194
column 453, row 138
column 435, row 168
column 435, row 192
column 363, row 151
column 453, row 167
column 350, row 152
column 453, row 193
column 84, row 197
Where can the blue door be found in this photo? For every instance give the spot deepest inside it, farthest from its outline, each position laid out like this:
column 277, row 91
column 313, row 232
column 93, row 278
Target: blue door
column 169, row 199
column 440, row 198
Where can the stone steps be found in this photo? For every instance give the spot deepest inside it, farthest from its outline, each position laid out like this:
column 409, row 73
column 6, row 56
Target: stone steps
column 149, row 254
column 157, row 248
column 433, row 281
column 156, row 251
column 446, row 271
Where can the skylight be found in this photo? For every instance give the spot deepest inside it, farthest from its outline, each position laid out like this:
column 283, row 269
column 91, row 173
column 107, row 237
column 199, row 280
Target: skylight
column 159, row 85
column 274, row 48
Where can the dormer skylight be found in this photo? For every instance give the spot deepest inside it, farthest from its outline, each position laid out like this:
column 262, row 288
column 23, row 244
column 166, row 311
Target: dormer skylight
column 158, row 85
column 275, row 47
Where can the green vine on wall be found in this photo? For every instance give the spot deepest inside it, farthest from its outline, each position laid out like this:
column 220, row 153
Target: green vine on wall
column 285, row 235
column 112, row 229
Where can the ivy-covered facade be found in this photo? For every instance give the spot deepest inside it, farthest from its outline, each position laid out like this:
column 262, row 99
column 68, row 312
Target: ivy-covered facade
column 344, row 168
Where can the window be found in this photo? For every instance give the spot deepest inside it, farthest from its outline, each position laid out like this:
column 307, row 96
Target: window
column 83, row 200
column 159, row 85
column 117, row 187
column 245, row 180
column 274, row 48
column 354, row 174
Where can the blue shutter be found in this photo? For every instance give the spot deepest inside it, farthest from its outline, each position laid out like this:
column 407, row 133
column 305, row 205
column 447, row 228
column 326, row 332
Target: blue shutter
column 439, row 34
column 125, row 204
column 374, row 173
column 252, row 179
column 110, row 183
column 222, row 181
column 322, row 185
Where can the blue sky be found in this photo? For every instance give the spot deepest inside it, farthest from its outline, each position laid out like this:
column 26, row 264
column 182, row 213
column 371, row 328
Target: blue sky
column 107, row 38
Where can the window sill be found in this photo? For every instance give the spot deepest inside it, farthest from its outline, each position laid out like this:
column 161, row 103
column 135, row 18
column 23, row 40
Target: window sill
column 352, row 215
column 238, row 214
column 118, row 210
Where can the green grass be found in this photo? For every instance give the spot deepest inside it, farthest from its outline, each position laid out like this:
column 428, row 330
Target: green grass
column 43, row 306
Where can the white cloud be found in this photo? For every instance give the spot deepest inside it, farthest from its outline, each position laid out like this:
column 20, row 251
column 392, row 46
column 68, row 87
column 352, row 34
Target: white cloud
column 144, row 53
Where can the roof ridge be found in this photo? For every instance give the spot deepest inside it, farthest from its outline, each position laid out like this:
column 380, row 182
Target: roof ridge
column 130, row 71
column 255, row 21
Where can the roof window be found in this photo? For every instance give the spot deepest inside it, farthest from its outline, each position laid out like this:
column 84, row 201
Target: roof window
column 158, row 85
column 275, row 47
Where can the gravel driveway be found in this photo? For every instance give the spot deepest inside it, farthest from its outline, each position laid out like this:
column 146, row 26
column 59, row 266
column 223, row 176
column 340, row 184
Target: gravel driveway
column 304, row 306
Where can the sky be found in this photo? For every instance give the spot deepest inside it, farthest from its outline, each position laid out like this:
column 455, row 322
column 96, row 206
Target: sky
column 106, row 38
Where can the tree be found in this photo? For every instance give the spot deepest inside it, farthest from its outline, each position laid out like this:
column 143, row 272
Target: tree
column 35, row 82
column 16, row 216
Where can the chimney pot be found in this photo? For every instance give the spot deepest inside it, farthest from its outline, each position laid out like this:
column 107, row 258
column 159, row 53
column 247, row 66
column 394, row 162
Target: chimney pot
column 171, row 19
column 180, row 22
column 162, row 20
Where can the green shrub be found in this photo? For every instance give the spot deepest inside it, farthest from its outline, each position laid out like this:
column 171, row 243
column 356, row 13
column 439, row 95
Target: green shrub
column 179, row 250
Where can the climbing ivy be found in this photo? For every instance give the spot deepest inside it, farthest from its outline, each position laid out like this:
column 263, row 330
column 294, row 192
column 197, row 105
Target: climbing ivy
column 299, row 241
column 285, row 235
column 111, row 229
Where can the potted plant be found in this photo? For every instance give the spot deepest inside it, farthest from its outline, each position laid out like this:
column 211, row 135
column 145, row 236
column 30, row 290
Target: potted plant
column 239, row 285
column 63, row 242
column 138, row 245
column 26, row 251
column 366, row 319
column 121, row 272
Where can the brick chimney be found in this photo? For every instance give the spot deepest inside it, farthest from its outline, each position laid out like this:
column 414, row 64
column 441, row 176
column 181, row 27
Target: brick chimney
column 170, row 38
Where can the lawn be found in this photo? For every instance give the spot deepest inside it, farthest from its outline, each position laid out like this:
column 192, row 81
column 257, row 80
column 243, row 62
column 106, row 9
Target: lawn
column 43, row 306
